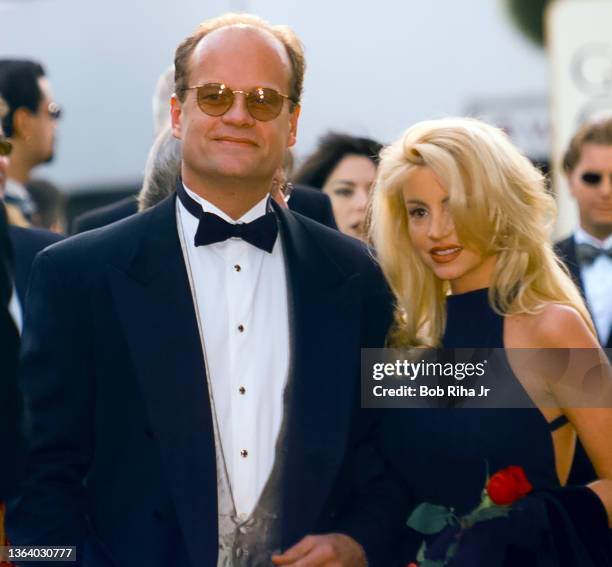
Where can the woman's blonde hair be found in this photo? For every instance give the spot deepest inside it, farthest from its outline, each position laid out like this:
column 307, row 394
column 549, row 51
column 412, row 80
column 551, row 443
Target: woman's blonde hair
column 499, row 205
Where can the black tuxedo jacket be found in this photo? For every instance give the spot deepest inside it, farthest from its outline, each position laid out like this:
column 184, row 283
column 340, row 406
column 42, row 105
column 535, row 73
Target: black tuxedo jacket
column 122, row 459
column 18, row 246
column 566, row 250
column 305, row 200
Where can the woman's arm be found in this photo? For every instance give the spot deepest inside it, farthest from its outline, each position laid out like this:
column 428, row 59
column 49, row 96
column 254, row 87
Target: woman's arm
column 561, row 327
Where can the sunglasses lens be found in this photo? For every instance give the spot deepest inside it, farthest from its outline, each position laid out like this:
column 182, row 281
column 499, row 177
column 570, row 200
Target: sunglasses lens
column 591, row 178
column 55, row 112
column 5, row 147
column 214, row 99
column 264, row 104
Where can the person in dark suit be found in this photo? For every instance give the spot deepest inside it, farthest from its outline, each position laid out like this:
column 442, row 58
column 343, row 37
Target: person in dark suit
column 587, row 252
column 18, row 246
column 196, row 397
column 11, row 437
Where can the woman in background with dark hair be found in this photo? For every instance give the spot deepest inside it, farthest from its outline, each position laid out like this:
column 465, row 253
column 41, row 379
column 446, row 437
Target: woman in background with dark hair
column 344, row 167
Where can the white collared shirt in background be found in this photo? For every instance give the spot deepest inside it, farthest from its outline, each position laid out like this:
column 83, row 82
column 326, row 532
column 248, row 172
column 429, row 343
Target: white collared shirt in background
column 14, row 308
column 597, row 281
column 242, row 301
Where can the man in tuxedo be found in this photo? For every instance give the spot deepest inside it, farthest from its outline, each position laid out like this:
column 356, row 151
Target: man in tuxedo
column 18, row 246
column 588, row 251
column 193, row 381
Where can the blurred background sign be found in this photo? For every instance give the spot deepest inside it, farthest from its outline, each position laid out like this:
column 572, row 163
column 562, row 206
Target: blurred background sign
column 579, row 43
column 524, row 118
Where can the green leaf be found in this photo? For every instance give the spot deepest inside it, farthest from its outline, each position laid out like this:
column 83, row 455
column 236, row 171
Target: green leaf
column 489, row 514
column 430, row 563
column 429, row 519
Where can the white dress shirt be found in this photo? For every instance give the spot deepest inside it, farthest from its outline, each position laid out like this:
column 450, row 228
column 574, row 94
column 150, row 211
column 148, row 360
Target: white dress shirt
column 14, row 308
column 16, row 194
column 597, row 280
column 241, row 299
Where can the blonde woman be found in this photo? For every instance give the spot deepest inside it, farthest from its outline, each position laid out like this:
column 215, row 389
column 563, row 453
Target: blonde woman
column 461, row 222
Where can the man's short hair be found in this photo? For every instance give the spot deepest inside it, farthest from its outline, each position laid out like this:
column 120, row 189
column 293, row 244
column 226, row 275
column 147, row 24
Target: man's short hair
column 284, row 34
column 19, row 88
column 598, row 131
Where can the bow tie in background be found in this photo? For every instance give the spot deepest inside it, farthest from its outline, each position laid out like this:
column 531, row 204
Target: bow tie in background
column 261, row 232
column 587, row 253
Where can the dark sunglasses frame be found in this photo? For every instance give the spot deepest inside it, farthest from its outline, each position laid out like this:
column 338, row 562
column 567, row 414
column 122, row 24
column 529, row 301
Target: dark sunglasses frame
column 593, row 178
column 54, row 111
column 5, row 147
column 253, row 97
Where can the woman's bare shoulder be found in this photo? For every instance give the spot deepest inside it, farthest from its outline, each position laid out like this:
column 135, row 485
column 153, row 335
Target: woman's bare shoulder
column 554, row 326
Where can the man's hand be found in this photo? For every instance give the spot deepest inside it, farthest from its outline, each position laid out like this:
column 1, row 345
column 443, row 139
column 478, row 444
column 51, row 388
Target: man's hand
column 330, row 550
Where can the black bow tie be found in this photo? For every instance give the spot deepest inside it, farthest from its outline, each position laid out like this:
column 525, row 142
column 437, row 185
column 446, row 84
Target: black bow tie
column 261, row 232
column 587, row 253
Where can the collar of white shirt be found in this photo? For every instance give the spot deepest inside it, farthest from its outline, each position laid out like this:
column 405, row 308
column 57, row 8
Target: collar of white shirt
column 15, row 189
column 254, row 213
column 583, row 237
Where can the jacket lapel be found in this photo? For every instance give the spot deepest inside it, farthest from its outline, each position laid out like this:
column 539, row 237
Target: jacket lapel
column 324, row 375
column 156, row 310
column 572, row 263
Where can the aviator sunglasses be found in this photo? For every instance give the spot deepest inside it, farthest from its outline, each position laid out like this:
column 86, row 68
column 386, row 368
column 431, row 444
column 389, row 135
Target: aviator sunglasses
column 593, row 178
column 262, row 103
column 54, row 111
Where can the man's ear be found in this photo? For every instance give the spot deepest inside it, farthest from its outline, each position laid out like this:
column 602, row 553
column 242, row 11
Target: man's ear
column 293, row 124
column 176, row 115
column 22, row 123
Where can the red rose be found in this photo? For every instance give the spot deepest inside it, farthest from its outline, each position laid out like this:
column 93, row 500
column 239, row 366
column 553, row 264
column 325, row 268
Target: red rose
column 508, row 485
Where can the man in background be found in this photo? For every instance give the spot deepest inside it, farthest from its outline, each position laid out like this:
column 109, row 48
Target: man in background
column 588, row 251
column 30, row 124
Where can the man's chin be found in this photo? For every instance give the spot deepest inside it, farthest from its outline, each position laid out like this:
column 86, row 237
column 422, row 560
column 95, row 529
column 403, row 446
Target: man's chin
column 49, row 159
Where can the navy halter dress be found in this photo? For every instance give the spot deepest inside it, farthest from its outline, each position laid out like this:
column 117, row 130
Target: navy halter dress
column 444, row 454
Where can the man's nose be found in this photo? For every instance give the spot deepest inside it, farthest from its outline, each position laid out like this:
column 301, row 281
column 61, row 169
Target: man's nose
column 238, row 114
column 606, row 186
